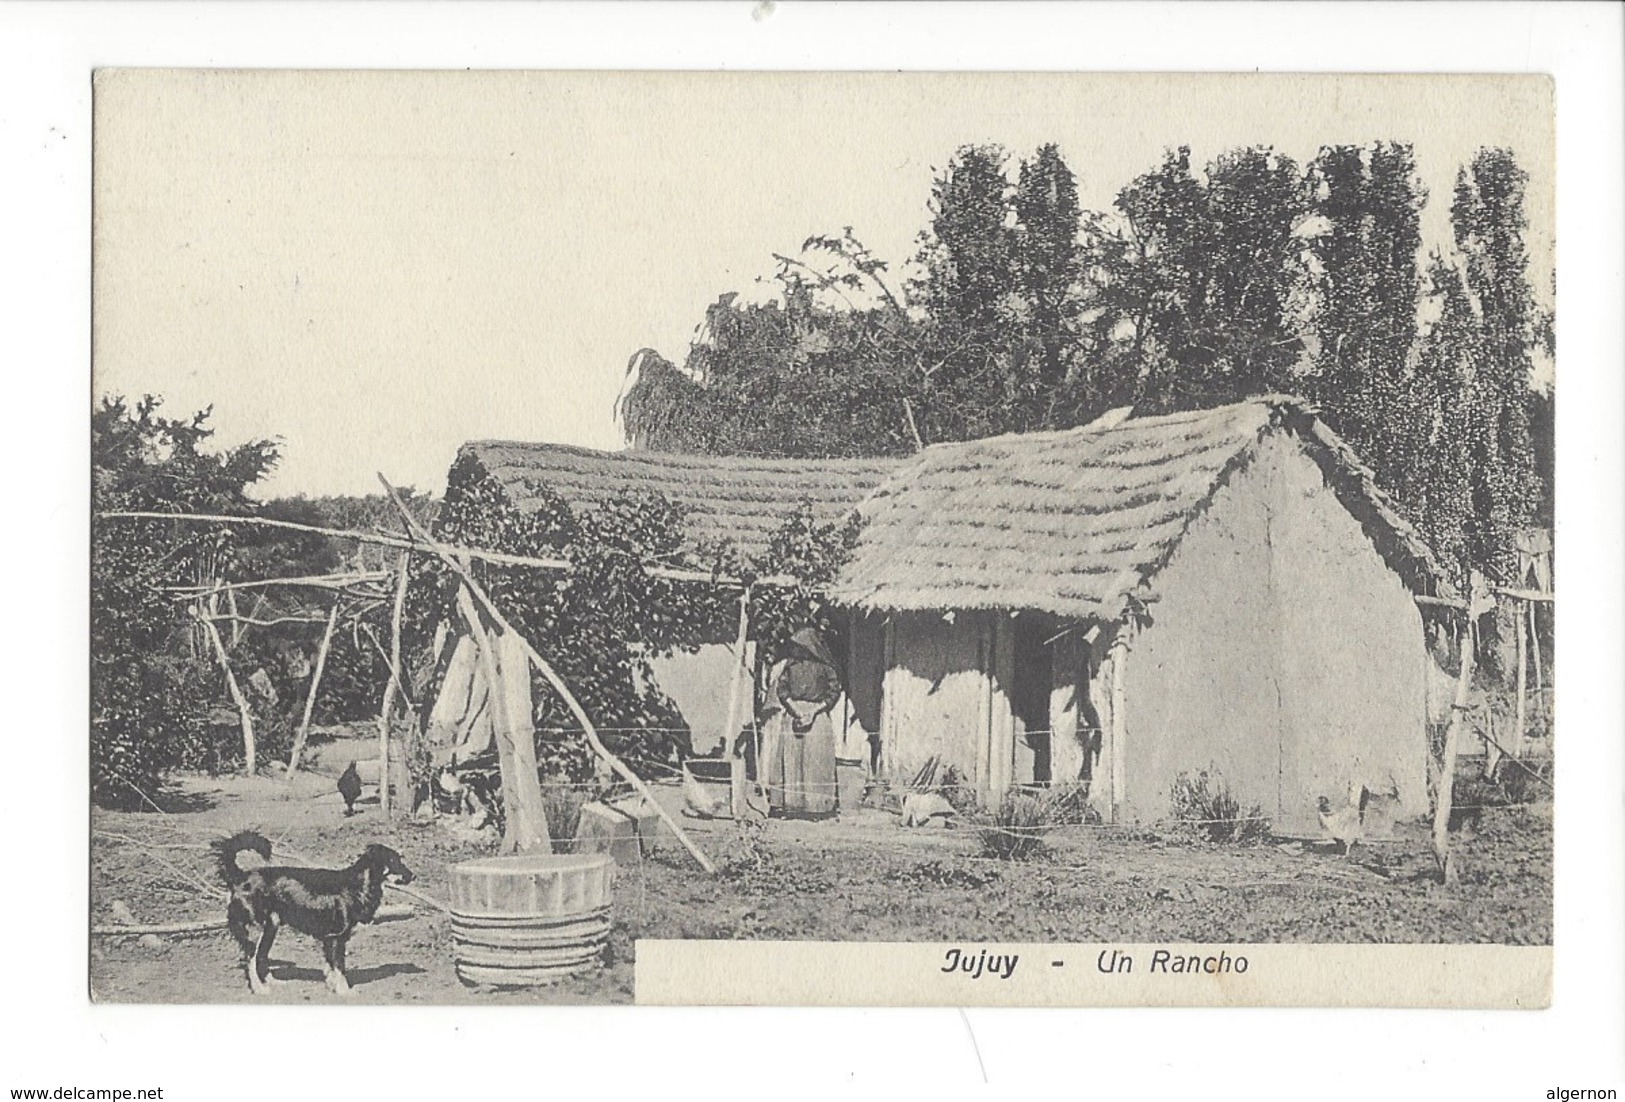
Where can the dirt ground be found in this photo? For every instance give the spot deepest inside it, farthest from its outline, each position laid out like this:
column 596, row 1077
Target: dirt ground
column 863, row 877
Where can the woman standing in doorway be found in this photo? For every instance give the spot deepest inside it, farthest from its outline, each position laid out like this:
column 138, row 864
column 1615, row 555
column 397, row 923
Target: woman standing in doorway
column 800, row 750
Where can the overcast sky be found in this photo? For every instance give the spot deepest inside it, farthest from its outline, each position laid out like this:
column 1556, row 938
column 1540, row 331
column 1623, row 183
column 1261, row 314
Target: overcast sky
column 376, row 267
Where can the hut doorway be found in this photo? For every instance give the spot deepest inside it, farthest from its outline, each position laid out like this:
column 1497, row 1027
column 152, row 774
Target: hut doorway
column 1031, row 683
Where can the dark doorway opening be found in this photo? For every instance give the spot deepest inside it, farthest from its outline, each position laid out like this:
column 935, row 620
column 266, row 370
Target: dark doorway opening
column 1033, row 678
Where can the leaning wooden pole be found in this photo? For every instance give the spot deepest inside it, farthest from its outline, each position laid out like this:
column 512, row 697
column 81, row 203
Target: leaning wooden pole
column 730, row 726
column 478, row 593
column 393, row 687
column 1119, row 724
column 245, row 714
column 1447, row 764
column 1515, row 743
column 315, row 686
column 1534, row 653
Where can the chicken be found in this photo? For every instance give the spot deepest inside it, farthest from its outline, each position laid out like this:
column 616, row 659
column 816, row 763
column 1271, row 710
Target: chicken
column 1346, row 824
column 349, row 787
column 926, row 809
column 700, row 804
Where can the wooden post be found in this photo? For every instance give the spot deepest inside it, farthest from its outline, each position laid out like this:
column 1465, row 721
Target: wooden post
column 476, row 591
column 1119, row 725
column 1534, row 648
column 1447, row 766
column 310, row 697
column 1515, row 743
column 244, row 714
column 738, row 798
column 522, row 797
column 394, row 685
column 507, row 691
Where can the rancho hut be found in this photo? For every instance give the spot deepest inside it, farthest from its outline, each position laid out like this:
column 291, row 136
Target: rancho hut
column 1115, row 605
column 1223, row 590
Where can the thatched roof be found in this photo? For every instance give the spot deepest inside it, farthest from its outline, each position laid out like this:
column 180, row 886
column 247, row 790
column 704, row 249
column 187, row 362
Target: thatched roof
column 1070, row 523
column 1073, row 522
column 735, row 500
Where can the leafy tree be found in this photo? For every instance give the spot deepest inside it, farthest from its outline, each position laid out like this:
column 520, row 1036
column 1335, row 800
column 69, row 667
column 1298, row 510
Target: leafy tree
column 1196, row 286
column 1048, row 268
column 1434, row 487
column 969, row 252
column 151, row 682
column 825, row 370
column 842, row 364
column 1369, row 202
column 1487, row 216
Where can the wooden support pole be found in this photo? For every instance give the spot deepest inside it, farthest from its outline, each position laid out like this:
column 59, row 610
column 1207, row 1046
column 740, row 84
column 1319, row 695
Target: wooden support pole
column 478, row 592
column 244, row 714
column 393, row 688
column 1493, row 750
column 1525, row 594
column 315, row 686
column 1534, row 650
column 203, row 925
column 738, row 797
column 654, row 570
column 1447, row 765
column 524, row 825
column 1119, row 725
column 1515, row 743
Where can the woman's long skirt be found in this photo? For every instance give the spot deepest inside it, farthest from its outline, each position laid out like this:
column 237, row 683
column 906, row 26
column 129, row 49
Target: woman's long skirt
column 800, row 766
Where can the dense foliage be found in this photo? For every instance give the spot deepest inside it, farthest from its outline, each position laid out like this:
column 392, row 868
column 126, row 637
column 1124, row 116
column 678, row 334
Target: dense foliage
column 1202, row 286
column 152, row 677
column 600, row 622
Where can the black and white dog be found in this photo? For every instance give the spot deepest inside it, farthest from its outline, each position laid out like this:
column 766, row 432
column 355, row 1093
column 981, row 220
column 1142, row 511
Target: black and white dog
column 327, row 904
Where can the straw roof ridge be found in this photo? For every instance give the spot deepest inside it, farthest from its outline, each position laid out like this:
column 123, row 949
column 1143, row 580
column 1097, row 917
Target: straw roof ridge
column 1072, row 522
column 740, row 501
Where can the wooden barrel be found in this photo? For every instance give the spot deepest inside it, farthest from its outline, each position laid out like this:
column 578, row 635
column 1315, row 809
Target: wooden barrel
column 530, row 919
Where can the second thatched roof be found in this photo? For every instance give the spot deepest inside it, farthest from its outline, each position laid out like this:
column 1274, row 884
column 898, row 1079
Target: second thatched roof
column 733, row 500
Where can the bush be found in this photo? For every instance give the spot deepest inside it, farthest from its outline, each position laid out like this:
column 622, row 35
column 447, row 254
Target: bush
column 148, row 707
column 1204, row 806
column 149, row 715
column 753, row 867
column 1514, row 784
column 561, row 805
column 1068, row 805
column 1017, row 827
column 958, row 791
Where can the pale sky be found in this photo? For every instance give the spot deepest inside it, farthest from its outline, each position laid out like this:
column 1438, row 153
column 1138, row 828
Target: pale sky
column 379, row 266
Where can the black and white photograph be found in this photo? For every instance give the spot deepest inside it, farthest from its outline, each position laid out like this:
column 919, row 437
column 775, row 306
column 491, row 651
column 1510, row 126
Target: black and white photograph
column 538, row 513
column 774, row 546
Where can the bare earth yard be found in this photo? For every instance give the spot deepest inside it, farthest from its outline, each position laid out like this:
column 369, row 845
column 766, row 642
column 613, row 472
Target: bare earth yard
column 861, row 878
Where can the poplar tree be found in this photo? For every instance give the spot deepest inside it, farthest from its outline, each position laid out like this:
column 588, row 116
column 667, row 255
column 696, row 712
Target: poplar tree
column 1369, row 202
column 1488, row 219
column 1048, row 266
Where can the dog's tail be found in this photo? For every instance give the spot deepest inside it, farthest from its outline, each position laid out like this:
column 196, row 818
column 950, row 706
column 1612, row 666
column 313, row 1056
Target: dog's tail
column 227, row 849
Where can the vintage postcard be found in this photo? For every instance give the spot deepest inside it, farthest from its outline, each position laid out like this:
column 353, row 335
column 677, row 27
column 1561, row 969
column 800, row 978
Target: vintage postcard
column 822, row 539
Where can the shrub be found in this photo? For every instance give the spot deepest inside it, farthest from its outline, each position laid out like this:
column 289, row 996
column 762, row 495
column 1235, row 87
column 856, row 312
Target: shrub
column 1068, row 804
column 1204, row 806
column 148, row 712
column 956, row 789
column 561, row 805
column 1016, row 829
column 755, row 869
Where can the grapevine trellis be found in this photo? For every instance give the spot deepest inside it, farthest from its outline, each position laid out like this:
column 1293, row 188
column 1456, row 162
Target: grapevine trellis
column 357, row 594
